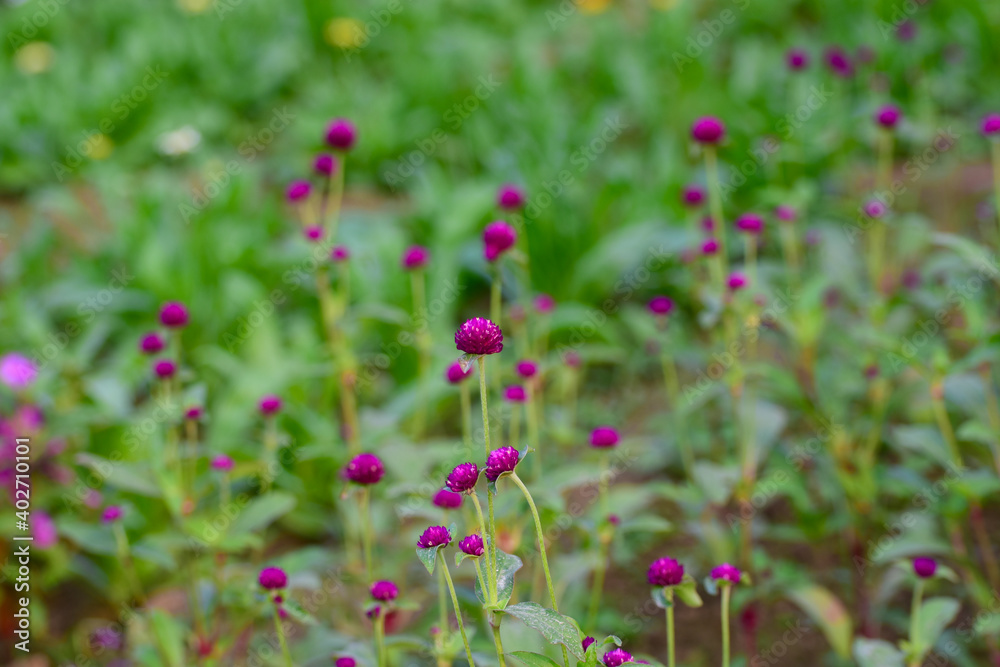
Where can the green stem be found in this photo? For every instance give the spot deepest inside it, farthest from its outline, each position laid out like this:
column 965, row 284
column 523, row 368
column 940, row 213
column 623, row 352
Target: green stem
column 669, row 593
column 490, row 553
column 458, row 611
column 442, row 607
column 726, row 592
column 466, row 416
column 715, row 201
column 366, row 531
column 499, row 644
column 598, row 586
column 280, row 629
column 672, row 382
column 423, row 348
column 750, row 243
column 531, row 408
column 918, row 592
column 380, row 638
column 995, row 152
column 483, row 392
column 125, row 556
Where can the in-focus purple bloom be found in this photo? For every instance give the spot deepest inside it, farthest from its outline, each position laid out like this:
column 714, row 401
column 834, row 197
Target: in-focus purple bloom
column 544, row 303
column 384, row 591
column 455, row 374
column 515, row 394
column 587, row 641
column 341, row 134
column 498, row 237
column 151, row 343
column 17, row 371
column 340, row 254
column 924, row 567
column 472, row 545
column 272, row 578
column 173, row 314
column 736, row 281
column 222, row 463
column 726, row 572
column 526, row 368
column 888, row 116
column 693, row 195
column 660, row 305
column 112, row 513
column 479, row 336
column 448, row 500
column 298, row 191
column 797, row 59
column 164, row 368
column 510, row 197
column 500, row 461
column 784, row 213
column 750, row 223
column 270, row 405
column 665, row 572
column 325, row 164
column 364, row 469
column 617, row 657
column 603, row 437
column 415, row 257
column 463, row 477
column 991, row 124
column 435, row 536
column 708, row 130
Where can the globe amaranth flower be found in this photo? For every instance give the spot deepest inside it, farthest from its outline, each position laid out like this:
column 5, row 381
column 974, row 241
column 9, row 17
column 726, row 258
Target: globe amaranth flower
column 709, row 247
column 194, row 413
column 726, row 572
column 340, row 254
column 345, row 661
column 164, row 368
column 708, row 130
column 325, row 164
column 365, row 469
column 456, row 373
column 617, row 657
column 313, row 232
column 736, row 281
column 839, row 62
column 43, row 529
column 888, row 116
column 173, row 314
column 448, row 500
column 341, row 134
column 515, row 394
column 875, row 208
column 924, row 567
column 415, row 257
column 526, row 368
column 603, row 437
column 665, row 572
column 270, row 405
column 112, row 513
column 693, row 195
column 472, row 545
column 572, row 359
column 151, row 343
column 435, row 536
column 222, row 463
column 384, row 591
column 498, row 237
column 751, row 223
column 587, row 641
column 17, row 371
column 991, row 124
column 272, row 578
column 907, row 30
column 106, row 639
column 661, row 305
column 298, row 191
column 463, row 478
column 500, row 461
column 479, row 336
column 797, row 59
column 544, row 304
column 510, row 197
column 784, row 213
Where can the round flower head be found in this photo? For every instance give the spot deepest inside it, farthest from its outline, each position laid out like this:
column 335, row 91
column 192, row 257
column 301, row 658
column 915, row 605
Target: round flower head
column 907, row 30
column 991, row 124
column 888, row 116
column 839, row 62
column 313, row 232
column 472, row 545
column 798, row 59
column 544, row 303
column 708, row 224
column 151, row 343
column 106, row 639
column 173, row 314
column 498, row 237
column 924, row 567
column 736, row 281
column 272, row 578
column 364, row 469
column 660, row 305
column 709, row 247
column 526, row 368
column 587, row 641
column 510, row 197
column 345, row 661
column 572, row 359
column 726, row 572
column 325, row 164
column 479, row 336
column 164, row 368
column 750, row 223
column 17, row 371
column 194, row 413
column 298, row 191
column 874, row 209
column 463, row 477
column 340, row 254
column 665, row 572
column 455, row 374
column 222, row 463
column 603, row 437
column 708, row 130
column 415, row 257
column 270, row 405
column 515, row 394
column 693, row 195
column 500, row 461
column 448, row 500
column 435, row 536
column 341, row 134
column 617, row 657
column 384, row 591
column 784, row 213
column 111, row 513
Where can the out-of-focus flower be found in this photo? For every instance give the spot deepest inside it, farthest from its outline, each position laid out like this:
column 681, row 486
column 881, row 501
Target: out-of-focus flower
column 365, row 469
column 17, row 371
column 178, row 142
column 272, row 578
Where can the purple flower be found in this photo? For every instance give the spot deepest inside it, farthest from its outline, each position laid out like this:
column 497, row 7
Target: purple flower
column 736, row 281
column 708, row 224
column 298, row 190
column 726, row 572
column 173, row 314
column 839, row 62
column 43, row 529
column 710, row 247
column 222, row 463
column 498, row 237
column 374, row 612
column 364, row 469
column 587, row 641
column 435, row 536
column 991, row 124
column 194, row 413
column 341, row 134
column 479, row 336
column 325, row 164
column 500, row 461
column 617, row 657
column 463, row 478
column 151, row 343
column 603, row 437
column 272, row 578
column 17, row 371
column 313, row 232
column 472, row 545
column 665, row 572
column 448, row 500
column 708, row 130
column 544, row 303
column 345, row 661
column 270, row 405
column 415, row 257
column 750, row 223
column 526, row 368
column 384, row 591
column 515, row 393
column 924, row 567
column 164, row 368
column 784, row 213
column 888, row 116
column 693, row 195
column 572, row 359
column 455, row 374
column 106, row 638
column 340, row 254
column 797, row 59
column 660, row 305
column 112, row 513
column 874, row 209
column 510, row 197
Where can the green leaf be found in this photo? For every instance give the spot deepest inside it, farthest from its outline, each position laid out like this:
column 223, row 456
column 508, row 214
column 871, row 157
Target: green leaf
column 461, row 556
column 935, row 615
column 877, row 653
column 124, row 475
column 555, row 627
column 829, row 613
column 261, row 512
column 170, row 637
column 687, row 591
column 507, row 566
column 428, row 557
column 534, row 659
column 660, row 598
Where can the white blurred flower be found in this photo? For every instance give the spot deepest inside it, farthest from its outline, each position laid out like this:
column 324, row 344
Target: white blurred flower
column 179, row 142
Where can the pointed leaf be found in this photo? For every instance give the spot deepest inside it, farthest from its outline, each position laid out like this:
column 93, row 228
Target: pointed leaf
column 876, row 653
column 555, row 627
column 507, row 566
column 428, row 557
column 534, row 659
column 687, row 591
column 829, row 613
column 935, row 615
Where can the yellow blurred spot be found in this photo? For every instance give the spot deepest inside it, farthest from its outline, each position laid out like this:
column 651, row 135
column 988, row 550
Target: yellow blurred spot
column 100, row 146
column 344, row 32
column 664, row 5
column 195, row 6
column 753, row 321
column 35, row 57
column 593, row 6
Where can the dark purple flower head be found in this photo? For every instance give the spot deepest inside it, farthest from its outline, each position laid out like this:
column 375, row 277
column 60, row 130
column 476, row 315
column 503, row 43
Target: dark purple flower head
column 435, row 536
column 500, row 461
column 750, row 223
column 384, row 591
column 991, row 124
column 874, row 209
column 603, row 437
column 448, row 500
column 617, row 657
column 924, row 567
column 345, row 661
column 526, row 368
column 340, row 254
column 222, row 463
column 544, row 303
column 298, row 191
column 270, row 405
column 106, row 638
column 472, row 545
column 661, row 305
column 709, row 247
column 173, row 314
column 498, row 237
column 784, row 213
column 839, row 62
column 455, row 374
column 194, row 413
column 151, row 343
column 313, row 232
column 164, row 368
column 888, row 116
column 479, row 336
column 272, row 578
column 463, row 477
column 510, row 197
column 708, row 130
column 907, row 30
column 341, row 134
column 515, row 394
column 587, row 641
column 665, row 572
column 726, row 572
column 693, row 195
column 614, row 520
column 736, row 281
column 364, row 469
column 797, row 59
column 708, row 224
column 415, row 257
column 112, row 513
column 325, row 164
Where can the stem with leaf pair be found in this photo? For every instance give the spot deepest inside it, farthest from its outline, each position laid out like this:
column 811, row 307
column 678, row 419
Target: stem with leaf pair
column 458, row 611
